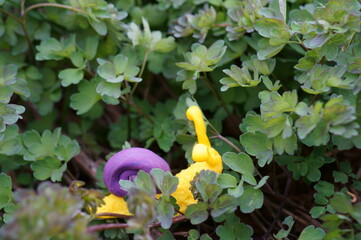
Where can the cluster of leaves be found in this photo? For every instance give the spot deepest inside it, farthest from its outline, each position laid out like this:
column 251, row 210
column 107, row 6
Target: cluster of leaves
column 96, row 76
column 143, row 203
column 50, row 212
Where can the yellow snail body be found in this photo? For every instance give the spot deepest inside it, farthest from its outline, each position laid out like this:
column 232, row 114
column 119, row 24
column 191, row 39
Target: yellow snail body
column 205, row 158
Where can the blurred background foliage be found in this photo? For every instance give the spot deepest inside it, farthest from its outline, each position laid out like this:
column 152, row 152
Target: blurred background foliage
column 279, row 82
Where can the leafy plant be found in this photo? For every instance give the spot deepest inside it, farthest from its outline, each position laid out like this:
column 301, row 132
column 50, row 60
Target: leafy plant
column 279, row 84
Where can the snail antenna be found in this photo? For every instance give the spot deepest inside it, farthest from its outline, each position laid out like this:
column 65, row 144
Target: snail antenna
column 195, row 114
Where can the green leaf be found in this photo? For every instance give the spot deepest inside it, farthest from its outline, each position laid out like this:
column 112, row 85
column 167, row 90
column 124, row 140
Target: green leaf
column 203, row 59
column 164, row 181
column 108, row 72
column 336, row 117
column 165, row 212
column 167, row 235
column 312, row 233
column 223, row 205
column 9, row 114
column 197, row 213
column 261, row 182
column 239, row 77
column 9, row 210
column 234, row 229
column 99, row 26
column 267, row 51
column 241, row 163
column 11, row 143
column 236, row 191
column 91, row 46
column 317, row 211
column 151, row 41
column 341, row 203
column 144, row 182
column 284, row 233
column 44, row 168
column 6, row 195
column 109, row 89
column 8, row 74
column 251, row 123
column 193, row 235
column 250, row 200
column 258, row 145
column 165, row 45
column 71, row 76
column 226, row 180
column 53, row 49
column 340, row 177
column 325, row 188
column 77, row 59
column 87, row 96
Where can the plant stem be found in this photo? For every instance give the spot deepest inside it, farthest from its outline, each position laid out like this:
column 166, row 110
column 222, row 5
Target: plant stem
column 10, row 15
column 39, row 5
column 228, row 142
column 102, row 227
column 141, row 71
column 301, row 43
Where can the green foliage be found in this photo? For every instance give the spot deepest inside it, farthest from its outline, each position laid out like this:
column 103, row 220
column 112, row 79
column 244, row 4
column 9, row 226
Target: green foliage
column 150, row 41
column 49, row 153
column 66, row 221
column 6, row 194
column 239, row 77
column 141, row 199
column 311, row 232
column 206, row 189
column 233, row 229
column 335, row 117
column 87, row 96
column 283, row 233
column 121, row 73
column 200, row 59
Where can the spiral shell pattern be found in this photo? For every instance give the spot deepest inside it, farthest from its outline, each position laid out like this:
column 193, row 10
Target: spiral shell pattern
column 125, row 165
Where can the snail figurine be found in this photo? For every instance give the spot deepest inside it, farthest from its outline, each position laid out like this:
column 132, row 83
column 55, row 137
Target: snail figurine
column 126, row 163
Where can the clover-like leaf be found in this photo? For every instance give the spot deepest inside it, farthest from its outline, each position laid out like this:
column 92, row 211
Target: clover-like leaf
column 164, row 181
column 203, row 59
column 197, row 213
column 9, row 114
column 234, row 229
column 44, row 168
column 71, row 76
column 241, row 163
column 335, row 117
column 151, row 41
column 53, row 49
column 87, row 96
column 165, row 212
column 264, row 67
column 258, row 145
column 250, row 200
column 311, row 232
column 6, row 193
column 283, row 233
column 239, row 77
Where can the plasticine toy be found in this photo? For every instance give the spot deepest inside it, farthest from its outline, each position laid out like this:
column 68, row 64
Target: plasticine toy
column 126, row 163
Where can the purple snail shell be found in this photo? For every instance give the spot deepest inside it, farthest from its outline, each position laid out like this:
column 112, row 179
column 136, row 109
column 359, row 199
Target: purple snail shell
column 125, row 165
